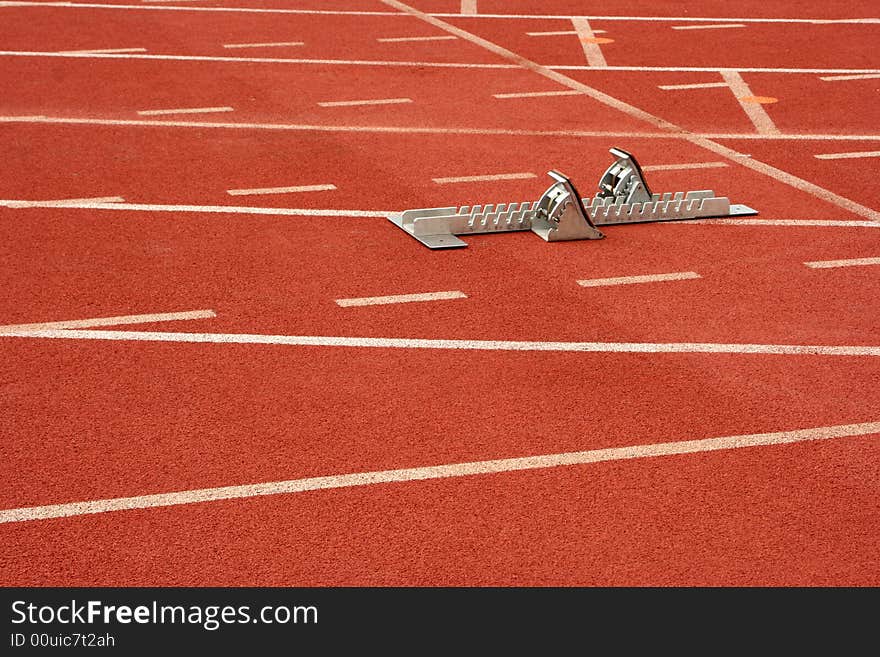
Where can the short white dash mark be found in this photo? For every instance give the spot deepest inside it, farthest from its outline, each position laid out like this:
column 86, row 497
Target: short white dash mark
column 277, row 44
column 485, row 178
column 720, row 26
column 352, row 103
column 448, row 37
column 847, row 156
column 540, row 94
column 401, row 298
column 281, row 190
column 185, row 110
column 853, row 262
column 628, row 280
column 685, row 166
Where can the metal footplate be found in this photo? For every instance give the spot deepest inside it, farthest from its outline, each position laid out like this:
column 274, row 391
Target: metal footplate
column 561, row 214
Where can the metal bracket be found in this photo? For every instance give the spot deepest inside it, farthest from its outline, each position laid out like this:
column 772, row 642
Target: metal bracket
column 561, row 214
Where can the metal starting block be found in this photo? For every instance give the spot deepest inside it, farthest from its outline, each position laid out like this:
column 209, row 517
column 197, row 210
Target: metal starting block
column 561, row 214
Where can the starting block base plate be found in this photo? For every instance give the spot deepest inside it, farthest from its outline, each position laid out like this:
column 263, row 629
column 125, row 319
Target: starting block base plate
column 431, row 241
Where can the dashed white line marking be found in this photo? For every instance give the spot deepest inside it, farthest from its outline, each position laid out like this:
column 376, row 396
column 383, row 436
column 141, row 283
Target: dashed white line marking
column 847, row 156
column 756, row 113
column 351, row 103
column 589, row 42
column 629, row 280
column 445, row 37
column 453, row 344
column 276, row 44
column 539, row 94
column 485, row 178
column 444, row 471
column 853, row 262
column 696, row 85
column 707, row 27
column 106, row 51
column 561, row 33
column 685, row 166
column 401, row 298
column 868, row 76
column 199, row 209
column 112, row 321
column 185, row 110
column 281, row 190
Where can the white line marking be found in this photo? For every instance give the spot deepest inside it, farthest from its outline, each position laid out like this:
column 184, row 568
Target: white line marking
column 561, row 33
column 847, row 156
column 185, row 110
column 651, row 19
column 281, row 190
column 106, row 51
column 832, row 78
column 628, row 280
column 428, row 130
column 755, row 111
column 159, row 1
column 854, row 262
column 445, row 471
column 61, row 203
column 112, row 321
column 765, row 169
column 707, row 27
column 682, row 167
column 466, row 65
column 587, row 38
column 277, row 44
column 401, row 298
column 540, row 94
column 698, row 85
column 208, row 209
column 268, row 60
column 351, row 103
column 446, row 37
column 454, row 344
column 469, row 7
column 486, row 178
column 828, row 223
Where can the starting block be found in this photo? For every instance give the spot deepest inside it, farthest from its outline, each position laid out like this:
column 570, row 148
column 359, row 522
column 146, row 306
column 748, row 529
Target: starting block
column 561, row 214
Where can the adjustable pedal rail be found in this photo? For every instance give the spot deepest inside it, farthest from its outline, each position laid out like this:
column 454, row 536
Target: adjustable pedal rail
column 561, row 214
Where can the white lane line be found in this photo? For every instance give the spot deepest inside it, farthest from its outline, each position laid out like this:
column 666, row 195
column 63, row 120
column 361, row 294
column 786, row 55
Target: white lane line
column 696, row 85
column 106, row 51
column 539, row 94
column 200, row 209
column 266, row 60
column 453, row 130
column 281, row 190
column 589, row 42
column 185, row 110
column 707, row 27
column 468, row 7
column 276, row 44
column 408, row 64
column 561, row 33
column 683, row 167
column 61, row 203
column 446, row 37
column 452, row 344
column 352, row 103
column 847, row 156
column 827, row 223
column 853, row 262
column 112, row 321
column 401, row 298
column 444, row 471
column 763, row 168
column 485, row 178
column 755, row 111
column 629, row 280
column 832, row 78
column 342, row 12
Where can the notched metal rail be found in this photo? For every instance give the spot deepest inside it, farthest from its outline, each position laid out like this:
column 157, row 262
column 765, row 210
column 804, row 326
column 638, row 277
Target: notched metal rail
column 561, row 214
